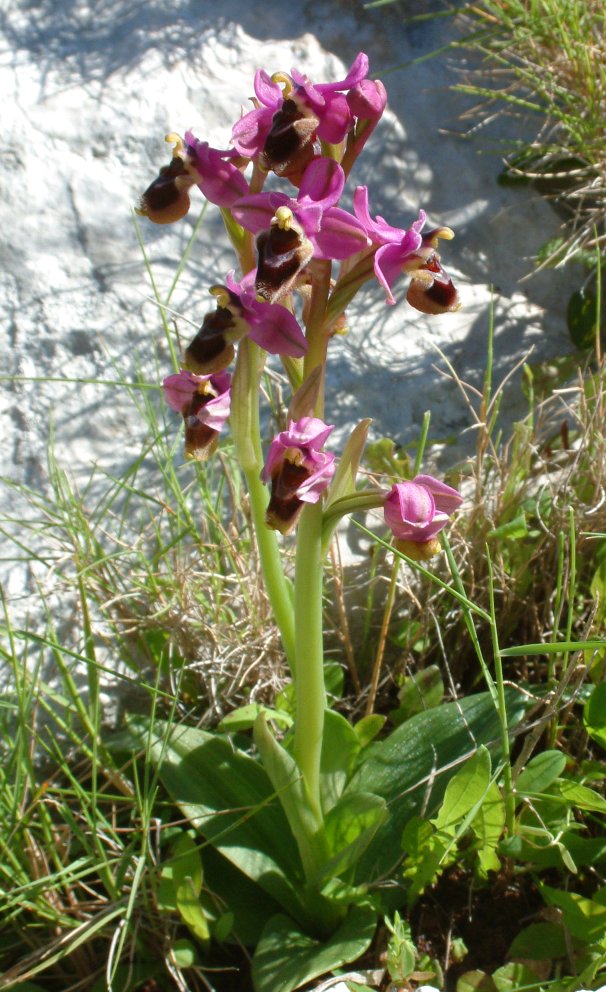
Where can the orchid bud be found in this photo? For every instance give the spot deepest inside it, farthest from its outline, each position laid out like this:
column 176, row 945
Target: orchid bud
column 417, row 511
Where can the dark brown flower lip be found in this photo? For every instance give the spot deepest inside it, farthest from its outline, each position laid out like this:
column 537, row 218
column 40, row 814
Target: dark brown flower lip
column 282, row 254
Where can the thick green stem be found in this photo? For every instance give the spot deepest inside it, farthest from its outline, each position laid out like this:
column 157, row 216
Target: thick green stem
column 310, row 688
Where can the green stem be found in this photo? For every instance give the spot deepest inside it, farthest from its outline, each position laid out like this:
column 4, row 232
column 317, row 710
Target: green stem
column 310, row 688
column 244, row 422
column 277, row 586
column 317, row 339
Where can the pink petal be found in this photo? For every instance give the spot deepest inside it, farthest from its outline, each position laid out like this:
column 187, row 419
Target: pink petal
column 335, row 119
column 446, row 499
column 323, row 182
column 255, row 212
column 340, row 235
column 249, row 133
column 179, row 388
column 274, row 328
column 268, row 92
column 216, row 411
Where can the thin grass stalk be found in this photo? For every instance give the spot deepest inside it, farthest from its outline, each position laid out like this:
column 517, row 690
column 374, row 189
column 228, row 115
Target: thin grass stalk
column 508, row 789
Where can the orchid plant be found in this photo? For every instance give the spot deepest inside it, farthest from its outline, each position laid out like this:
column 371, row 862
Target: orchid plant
column 302, row 259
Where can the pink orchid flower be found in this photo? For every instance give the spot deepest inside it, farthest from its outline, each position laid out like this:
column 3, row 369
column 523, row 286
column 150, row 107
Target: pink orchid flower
column 204, row 403
column 333, row 232
column 407, row 250
column 271, row 326
column 417, row 511
column 324, row 101
column 194, row 163
column 298, row 471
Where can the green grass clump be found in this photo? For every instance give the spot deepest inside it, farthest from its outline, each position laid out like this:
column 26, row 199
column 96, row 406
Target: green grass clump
column 544, row 61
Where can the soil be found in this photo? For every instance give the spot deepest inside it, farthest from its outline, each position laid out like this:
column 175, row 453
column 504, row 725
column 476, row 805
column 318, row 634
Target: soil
column 486, row 919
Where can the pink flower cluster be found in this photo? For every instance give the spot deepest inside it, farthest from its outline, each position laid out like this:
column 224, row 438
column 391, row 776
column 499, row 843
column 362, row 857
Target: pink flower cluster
column 309, row 135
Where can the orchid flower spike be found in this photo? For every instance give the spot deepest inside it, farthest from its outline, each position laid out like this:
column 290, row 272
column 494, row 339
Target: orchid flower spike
column 204, row 403
column 416, row 512
column 298, row 471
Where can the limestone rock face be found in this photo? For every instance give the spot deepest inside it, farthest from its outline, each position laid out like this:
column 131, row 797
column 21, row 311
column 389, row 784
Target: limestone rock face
column 90, row 90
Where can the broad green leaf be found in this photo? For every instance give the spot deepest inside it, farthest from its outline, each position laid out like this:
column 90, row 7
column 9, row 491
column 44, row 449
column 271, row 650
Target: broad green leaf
column 190, row 909
column 340, row 748
column 286, row 958
column 414, row 764
column 540, row 772
column 488, row 826
column 249, row 905
column 244, row 717
column 419, row 692
column 349, row 828
column 286, row 779
column 368, row 727
column 226, row 796
column 594, row 714
column 465, row 790
column 539, row 942
column 581, row 796
column 513, row 976
column 584, row 918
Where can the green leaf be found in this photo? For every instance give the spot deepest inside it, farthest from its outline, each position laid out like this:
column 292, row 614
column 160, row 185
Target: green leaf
column 368, row 728
column 476, row 981
column 540, row 773
column 187, row 883
column 286, row 958
column 247, row 903
column 340, row 748
column 594, row 715
column 286, row 779
column 581, row 796
column 344, row 481
column 513, row 976
column 184, row 953
column 421, row 691
column 584, row 918
column 349, row 828
column 513, row 530
column 539, row 942
column 466, row 789
column 244, row 717
column 425, row 850
column 414, row 764
column 488, row 826
column 227, row 796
